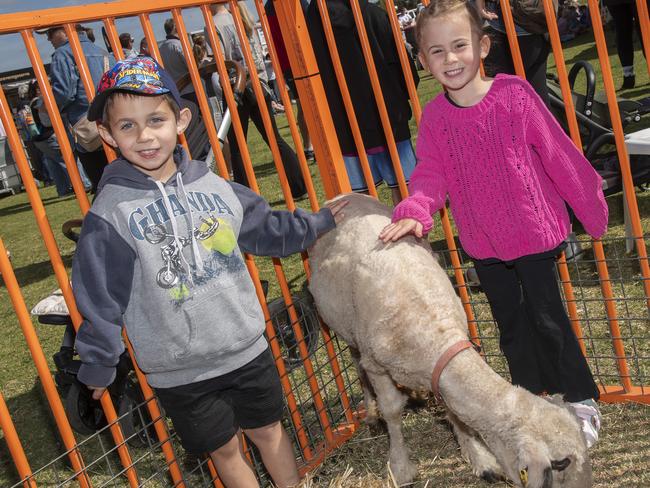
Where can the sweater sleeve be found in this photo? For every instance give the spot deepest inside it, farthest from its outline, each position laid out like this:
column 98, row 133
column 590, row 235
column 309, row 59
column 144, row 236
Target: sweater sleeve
column 427, row 187
column 102, row 272
column 267, row 232
column 575, row 179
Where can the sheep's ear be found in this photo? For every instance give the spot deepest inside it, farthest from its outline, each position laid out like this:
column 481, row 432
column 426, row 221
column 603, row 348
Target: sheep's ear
column 560, row 465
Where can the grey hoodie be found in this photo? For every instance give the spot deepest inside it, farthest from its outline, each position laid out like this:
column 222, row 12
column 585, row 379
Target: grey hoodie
column 166, row 262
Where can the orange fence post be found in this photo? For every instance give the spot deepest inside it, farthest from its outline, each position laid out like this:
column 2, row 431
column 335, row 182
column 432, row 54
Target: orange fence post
column 158, row 419
column 509, row 24
column 621, row 149
column 152, row 45
column 312, row 94
column 277, row 355
column 14, row 445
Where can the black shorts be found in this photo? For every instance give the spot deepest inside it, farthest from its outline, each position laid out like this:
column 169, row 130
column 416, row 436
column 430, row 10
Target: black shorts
column 208, row 413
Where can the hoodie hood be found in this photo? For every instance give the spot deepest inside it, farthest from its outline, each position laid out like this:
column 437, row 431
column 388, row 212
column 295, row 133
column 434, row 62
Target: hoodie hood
column 122, row 173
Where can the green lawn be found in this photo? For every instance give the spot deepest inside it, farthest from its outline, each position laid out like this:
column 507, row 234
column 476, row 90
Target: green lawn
column 29, row 258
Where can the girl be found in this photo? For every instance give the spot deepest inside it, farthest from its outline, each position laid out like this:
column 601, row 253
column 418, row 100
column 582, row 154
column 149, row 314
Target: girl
column 493, row 148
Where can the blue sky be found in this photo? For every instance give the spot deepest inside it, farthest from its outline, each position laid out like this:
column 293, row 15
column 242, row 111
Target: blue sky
column 12, row 49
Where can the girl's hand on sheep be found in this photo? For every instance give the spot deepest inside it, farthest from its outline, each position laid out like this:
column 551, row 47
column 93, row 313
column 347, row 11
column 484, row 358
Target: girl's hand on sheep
column 397, row 230
column 335, row 208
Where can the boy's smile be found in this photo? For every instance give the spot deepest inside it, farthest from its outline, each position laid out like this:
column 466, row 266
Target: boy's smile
column 452, row 53
column 145, row 130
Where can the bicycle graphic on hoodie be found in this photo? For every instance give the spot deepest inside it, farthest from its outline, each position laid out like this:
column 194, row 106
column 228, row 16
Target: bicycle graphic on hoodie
column 172, row 252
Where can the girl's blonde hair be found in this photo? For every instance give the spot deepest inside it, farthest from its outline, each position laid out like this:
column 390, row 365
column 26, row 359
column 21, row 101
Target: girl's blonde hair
column 440, row 8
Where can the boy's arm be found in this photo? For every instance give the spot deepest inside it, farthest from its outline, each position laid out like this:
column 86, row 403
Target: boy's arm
column 102, row 272
column 267, row 232
column 574, row 177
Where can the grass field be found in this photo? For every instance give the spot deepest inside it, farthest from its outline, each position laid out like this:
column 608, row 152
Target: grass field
column 622, row 458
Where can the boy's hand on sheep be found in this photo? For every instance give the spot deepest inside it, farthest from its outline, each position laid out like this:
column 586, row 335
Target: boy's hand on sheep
column 396, row 230
column 335, row 208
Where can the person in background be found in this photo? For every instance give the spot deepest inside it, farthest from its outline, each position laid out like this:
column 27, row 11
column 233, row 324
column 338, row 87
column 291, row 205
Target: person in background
column 583, row 17
column 283, row 59
column 391, row 80
column 171, row 52
column 534, row 48
column 126, row 41
column 144, row 47
column 69, row 91
column 90, row 33
column 28, row 130
column 276, row 99
column 48, row 144
column 626, row 18
column 248, row 107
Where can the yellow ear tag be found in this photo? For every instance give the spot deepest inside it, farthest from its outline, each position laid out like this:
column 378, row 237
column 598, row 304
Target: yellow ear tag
column 523, row 476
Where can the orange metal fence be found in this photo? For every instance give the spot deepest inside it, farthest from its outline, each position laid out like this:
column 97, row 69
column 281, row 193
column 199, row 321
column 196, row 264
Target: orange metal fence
column 322, row 393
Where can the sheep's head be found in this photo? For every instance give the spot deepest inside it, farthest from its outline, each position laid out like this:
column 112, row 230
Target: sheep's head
column 555, row 452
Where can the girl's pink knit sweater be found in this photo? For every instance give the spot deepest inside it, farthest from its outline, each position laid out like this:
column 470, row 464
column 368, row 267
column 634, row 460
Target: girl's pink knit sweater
column 508, row 168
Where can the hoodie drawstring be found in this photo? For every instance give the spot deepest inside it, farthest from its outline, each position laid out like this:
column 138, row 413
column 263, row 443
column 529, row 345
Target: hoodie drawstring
column 195, row 247
column 174, row 223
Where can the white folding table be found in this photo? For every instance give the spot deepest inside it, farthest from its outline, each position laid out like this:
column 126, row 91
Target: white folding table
column 636, row 143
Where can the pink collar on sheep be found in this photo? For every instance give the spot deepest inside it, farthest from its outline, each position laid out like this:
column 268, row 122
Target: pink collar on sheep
column 443, row 361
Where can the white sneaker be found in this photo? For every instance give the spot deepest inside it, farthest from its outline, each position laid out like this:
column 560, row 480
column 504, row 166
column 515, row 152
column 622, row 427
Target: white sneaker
column 589, row 416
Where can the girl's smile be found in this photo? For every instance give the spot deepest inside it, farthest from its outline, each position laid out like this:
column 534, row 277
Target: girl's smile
column 452, row 51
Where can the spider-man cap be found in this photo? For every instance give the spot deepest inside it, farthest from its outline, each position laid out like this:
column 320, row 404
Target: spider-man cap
column 141, row 75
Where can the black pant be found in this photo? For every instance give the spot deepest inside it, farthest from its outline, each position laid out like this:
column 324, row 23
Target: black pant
column 93, row 164
column 534, row 53
column 625, row 17
column 248, row 108
column 537, row 340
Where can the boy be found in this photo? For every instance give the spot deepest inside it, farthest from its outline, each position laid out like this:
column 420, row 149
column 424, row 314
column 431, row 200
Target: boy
column 161, row 252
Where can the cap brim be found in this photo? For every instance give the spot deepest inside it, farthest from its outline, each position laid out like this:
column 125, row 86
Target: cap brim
column 96, row 109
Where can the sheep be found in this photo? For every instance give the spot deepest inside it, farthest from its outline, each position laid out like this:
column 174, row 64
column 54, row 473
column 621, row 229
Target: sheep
column 397, row 310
